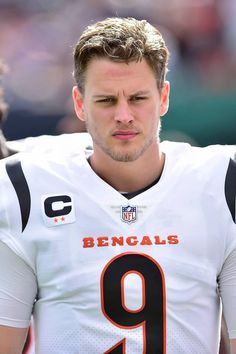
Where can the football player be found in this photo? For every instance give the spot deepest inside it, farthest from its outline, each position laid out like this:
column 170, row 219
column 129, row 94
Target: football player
column 132, row 247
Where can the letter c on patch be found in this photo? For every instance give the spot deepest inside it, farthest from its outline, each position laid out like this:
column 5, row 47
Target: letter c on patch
column 66, row 202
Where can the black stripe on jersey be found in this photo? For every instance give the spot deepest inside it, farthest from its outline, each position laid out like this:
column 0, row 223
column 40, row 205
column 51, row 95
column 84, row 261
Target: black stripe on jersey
column 17, row 177
column 230, row 188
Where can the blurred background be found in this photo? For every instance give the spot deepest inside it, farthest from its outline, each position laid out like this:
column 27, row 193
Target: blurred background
column 37, row 38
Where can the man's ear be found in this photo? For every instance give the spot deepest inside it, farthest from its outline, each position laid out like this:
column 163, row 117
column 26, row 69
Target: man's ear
column 78, row 103
column 165, row 93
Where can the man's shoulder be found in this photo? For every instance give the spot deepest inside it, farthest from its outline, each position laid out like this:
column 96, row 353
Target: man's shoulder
column 36, row 167
column 211, row 168
column 201, row 165
column 27, row 178
column 199, row 155
column 59, row 144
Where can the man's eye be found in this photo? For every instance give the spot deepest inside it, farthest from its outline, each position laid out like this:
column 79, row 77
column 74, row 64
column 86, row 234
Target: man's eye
column 106, row 100
column 138, row 98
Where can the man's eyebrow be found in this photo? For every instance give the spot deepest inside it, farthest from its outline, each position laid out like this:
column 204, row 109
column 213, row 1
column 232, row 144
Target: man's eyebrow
column 97, row 97
column 138, row 93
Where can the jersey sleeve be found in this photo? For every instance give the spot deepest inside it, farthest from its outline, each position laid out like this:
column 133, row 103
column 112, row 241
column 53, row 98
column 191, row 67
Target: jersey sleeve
column 18, row 288
column 18, row 285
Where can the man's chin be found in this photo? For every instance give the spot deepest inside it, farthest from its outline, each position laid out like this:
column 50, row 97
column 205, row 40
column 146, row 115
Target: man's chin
column 124, row 156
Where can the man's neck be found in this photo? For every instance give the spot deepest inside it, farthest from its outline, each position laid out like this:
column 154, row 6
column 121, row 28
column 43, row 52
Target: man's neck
column 129, row 176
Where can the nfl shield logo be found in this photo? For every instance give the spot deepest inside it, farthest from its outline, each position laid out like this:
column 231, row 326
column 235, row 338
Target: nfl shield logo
column 129, row 213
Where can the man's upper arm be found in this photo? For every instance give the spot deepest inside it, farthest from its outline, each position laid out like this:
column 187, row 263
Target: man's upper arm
column 227, row 288
column 12, row 339
column 18, row 289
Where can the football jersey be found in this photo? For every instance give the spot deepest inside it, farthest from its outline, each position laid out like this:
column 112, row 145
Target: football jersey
column 117, row 275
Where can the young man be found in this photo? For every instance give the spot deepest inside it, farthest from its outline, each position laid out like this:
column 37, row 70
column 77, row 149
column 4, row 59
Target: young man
column 132, row 249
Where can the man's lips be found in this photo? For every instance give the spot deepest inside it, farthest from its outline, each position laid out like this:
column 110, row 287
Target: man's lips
column 125, row 134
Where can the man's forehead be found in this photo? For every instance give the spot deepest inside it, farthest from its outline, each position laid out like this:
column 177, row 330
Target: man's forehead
column 113, row 69
column 104, row 77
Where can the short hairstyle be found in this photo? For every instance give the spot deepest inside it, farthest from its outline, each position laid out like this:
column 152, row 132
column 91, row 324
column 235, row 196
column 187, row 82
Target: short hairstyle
column 121, row 40
column 3, row 105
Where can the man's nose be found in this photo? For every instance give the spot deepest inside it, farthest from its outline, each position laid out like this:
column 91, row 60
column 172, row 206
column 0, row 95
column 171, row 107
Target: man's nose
column 123, row 113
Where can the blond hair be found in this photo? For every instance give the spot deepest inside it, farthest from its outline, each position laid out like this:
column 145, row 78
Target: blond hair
column 121, row 40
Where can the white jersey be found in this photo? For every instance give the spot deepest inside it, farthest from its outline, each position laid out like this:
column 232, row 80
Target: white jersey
column 115, row 275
